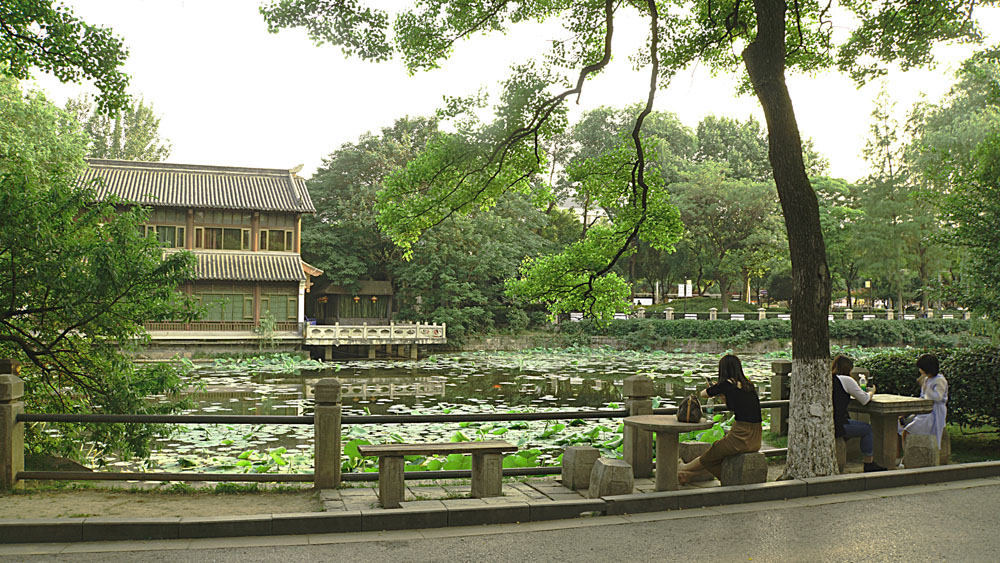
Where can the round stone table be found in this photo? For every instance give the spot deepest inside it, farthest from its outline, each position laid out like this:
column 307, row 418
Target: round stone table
column 667, row 428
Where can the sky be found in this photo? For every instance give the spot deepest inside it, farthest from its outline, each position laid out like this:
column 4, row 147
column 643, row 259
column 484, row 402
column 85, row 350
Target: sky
column 231, row 94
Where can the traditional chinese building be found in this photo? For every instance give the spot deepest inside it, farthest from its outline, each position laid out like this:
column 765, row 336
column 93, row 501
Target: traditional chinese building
column 242, row 224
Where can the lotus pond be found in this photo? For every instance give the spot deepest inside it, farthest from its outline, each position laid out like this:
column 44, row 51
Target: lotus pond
column 498, row 382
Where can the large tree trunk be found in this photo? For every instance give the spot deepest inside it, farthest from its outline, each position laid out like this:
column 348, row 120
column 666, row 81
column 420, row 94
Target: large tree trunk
column 810, row 426
column 724, row 290
column 850, row 303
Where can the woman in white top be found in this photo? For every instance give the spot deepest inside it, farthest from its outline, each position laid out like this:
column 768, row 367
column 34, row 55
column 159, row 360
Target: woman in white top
column 933, row 386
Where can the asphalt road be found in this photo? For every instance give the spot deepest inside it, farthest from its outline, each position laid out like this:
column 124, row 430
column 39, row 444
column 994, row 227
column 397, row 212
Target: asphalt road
column 948, row 522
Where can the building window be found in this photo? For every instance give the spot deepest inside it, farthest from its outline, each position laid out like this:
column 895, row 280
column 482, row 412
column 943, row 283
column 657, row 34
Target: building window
column 281, row 307
column 168, row 236
column 276, row 240
column 220, row 238
column 226, row 306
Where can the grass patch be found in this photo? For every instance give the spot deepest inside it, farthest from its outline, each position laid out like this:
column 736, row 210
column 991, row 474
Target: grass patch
column 774, row 440
column 974, row 444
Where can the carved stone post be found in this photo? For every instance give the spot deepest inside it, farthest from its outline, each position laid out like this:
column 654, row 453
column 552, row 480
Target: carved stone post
column 930, row 313
column 849, row 314
column 967, row 314
column 713, row 314
column 890, row 314
column 669, row 313
column 11, row 431
column 780, row 379
column 638, row 444
column 327, row 434
column 761, row 313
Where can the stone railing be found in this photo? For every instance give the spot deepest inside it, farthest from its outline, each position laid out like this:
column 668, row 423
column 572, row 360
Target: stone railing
column 392, row 333
column 713, row 314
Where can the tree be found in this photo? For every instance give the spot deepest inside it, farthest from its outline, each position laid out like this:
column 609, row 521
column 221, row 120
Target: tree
column 840, row 217
column 132, row 133
column 956, row 150
column 728, row 224
column 342, row 238
column 37, row 33
column 469, row 169
column 77, row 282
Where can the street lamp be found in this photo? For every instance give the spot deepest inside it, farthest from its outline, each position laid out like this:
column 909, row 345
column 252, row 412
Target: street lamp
column 868, row 284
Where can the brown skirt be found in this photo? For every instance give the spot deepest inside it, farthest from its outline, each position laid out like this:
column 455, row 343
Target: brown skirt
column 743, row 437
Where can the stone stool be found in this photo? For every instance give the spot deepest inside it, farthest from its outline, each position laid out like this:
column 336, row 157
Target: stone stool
column 920, row 450
column 744, row 469
column 577, row 463
column 610, row 477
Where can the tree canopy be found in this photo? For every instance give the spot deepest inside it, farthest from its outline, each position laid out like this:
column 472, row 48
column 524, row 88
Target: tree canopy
column 45, row 35
column 132, row 133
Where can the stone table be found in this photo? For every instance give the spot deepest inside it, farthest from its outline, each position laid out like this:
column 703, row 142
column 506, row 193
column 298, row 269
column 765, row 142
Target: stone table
column 885, row 410
column 667, row 428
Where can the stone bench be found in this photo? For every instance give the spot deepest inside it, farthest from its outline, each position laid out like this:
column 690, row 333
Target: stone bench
column 487, row 465
column 848, row 451
column 744, row 469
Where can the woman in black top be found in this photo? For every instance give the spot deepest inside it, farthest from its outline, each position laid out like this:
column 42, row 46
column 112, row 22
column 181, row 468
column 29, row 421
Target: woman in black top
column 744, row 436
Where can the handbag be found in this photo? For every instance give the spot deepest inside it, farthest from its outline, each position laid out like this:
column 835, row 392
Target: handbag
column 689, row 409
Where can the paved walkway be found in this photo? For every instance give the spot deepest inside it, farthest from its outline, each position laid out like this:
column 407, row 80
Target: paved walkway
column 953, row 521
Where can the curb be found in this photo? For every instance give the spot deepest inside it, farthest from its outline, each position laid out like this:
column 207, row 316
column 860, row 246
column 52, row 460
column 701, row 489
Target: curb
column 440, row 514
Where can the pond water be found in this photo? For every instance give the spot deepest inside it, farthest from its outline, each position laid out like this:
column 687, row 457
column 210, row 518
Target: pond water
column 534, row 380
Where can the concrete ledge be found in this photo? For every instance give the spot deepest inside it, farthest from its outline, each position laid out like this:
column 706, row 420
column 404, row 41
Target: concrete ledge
column 316, row 522
column 111, row 529
column 978, row 470
column 833, row 484
column 403, row 519
column 501, row 513
column 714, row 496
column 636, row 503
column 41, row 530
column 225, row 526
column 548, row 510
column 774, row 490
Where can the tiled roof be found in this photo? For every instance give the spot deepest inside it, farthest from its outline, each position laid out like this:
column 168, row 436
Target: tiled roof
column 249, row 266
column 190, row 185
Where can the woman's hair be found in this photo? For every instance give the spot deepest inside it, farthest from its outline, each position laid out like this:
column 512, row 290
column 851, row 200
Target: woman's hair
column 731, row 369
column 928, row 363
column 841, row 365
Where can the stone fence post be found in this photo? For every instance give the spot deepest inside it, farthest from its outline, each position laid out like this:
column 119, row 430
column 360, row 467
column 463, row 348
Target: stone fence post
column 713, row 314
column 327, row 429
column 849, row 314
column 11, row 431
column 929, row 314
column 638, row 444
column 668, row 313
column 889, row 314
column 967, row 314
column 780, row 379
column 761, row 314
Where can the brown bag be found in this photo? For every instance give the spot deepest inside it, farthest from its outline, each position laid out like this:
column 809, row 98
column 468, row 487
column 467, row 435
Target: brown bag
column 689, row 409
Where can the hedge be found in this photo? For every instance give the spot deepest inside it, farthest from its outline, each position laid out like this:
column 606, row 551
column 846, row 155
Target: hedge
column 973, row 376
column 652, row 333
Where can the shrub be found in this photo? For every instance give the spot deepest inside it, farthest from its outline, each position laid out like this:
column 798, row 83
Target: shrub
column 973, row 380
column 651, row 333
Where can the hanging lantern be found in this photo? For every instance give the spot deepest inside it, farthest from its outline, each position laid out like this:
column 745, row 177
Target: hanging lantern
column 374, row 299
column 356, row 299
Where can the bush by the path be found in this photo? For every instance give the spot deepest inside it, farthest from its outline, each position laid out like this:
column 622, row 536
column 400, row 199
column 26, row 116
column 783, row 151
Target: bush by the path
column 973, row 380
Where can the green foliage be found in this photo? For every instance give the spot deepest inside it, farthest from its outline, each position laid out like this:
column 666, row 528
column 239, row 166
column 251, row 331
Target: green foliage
column 132, row 133
column 972, row 374
column 78, row 281
column 658, row 333
column 39, row 34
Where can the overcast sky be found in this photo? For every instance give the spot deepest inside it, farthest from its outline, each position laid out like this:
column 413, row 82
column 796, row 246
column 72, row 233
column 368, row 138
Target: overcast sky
column 231, row 94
